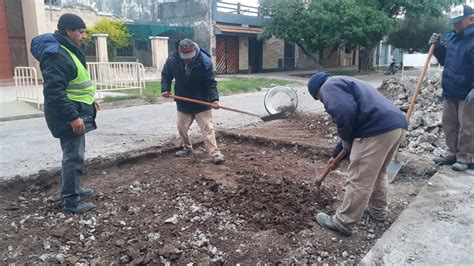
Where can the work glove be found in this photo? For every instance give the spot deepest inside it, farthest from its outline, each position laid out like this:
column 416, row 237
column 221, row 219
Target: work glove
column 470, row 97
column 435, row 39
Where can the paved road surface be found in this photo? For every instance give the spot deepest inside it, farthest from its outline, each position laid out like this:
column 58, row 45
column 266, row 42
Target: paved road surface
column 26, row 146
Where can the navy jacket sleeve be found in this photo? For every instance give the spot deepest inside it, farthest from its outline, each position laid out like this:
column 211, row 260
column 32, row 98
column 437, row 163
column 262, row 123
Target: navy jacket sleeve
column 440, row 54
column 342, row 108
column 167, row 76
column 469, row 64
column 212, row 85
column 56, row 76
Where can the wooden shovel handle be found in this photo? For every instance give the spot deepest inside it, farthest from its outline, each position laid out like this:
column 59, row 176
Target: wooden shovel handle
column 181, row 98
column 338, row 158
column 420, row 81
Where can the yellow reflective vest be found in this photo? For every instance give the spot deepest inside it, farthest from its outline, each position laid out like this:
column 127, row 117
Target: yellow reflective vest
column 80, row 89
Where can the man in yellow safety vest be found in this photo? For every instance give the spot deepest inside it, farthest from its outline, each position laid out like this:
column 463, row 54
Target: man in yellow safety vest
column 69, row 105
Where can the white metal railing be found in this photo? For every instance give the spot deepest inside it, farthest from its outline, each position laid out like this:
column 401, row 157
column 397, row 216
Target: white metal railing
column 26, row 84
column 116, row 76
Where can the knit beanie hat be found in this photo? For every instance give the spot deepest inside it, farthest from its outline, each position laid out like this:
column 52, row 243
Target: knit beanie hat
column 70, row 21
column 316, row 81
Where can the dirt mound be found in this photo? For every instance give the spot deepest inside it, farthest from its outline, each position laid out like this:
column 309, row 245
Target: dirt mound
column 256, row 208
column 425, row 135
column 268, row 203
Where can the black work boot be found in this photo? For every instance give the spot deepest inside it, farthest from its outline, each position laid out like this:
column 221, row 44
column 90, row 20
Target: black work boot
column 78, row 208
column 86, row 192
column 326, row 221
column 441, row 160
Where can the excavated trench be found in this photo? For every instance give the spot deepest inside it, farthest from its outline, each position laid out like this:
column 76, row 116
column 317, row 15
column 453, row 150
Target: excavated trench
column 155, row 208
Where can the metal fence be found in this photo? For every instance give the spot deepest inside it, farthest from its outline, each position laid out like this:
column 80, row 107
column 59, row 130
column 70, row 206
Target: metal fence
column 26, row 84
column 107, row 77
column 117, row 76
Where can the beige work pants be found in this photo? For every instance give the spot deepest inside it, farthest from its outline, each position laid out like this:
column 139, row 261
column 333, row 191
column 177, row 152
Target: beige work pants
column 367, row 184
column 458, row 127
column 204, row 120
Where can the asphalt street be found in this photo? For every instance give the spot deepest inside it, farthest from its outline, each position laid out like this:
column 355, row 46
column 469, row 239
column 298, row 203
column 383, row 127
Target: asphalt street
column 26, row 146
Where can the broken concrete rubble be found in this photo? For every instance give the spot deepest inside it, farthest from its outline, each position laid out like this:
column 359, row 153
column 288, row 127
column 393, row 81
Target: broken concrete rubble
column 424, row 135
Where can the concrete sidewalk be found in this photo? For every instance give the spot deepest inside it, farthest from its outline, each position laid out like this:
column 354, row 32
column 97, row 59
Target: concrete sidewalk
column 437, row 228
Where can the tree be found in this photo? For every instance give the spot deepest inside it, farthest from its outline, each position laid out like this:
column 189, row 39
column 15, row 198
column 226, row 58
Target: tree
column 412, row 8
column 119, row 36
column 331, row 23
column 324, row 24
column 413, row 33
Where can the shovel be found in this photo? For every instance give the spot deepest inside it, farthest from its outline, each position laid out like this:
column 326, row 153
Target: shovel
column 326, row 171
column 264, row 118
column 395, row 165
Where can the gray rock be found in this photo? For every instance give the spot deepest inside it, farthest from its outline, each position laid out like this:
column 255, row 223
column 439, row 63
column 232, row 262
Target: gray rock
column 345, row 254
column 60, row 258
column 153, row 236
column 119, row 242
column 44, row 257
column 172, row 220
column 125, row 259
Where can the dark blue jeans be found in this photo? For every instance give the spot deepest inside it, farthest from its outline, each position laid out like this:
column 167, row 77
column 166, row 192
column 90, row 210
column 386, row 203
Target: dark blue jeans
column 72, row 168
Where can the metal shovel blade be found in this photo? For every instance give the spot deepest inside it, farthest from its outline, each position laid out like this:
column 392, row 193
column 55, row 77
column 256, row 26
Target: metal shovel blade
column 271, row 117
column 393, row 168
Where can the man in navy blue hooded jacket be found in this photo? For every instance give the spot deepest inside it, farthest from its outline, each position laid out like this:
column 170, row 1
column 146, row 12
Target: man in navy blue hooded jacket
column 191, row 68
column 371, row 128
column 457, row 56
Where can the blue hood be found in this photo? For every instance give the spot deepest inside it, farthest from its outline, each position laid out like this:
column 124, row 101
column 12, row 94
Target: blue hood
column 44, row 44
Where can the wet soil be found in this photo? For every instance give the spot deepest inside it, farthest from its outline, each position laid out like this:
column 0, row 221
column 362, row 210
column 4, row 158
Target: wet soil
column 257, row 207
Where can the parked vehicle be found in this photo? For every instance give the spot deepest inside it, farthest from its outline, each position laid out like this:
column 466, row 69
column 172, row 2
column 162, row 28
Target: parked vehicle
column 393, row 68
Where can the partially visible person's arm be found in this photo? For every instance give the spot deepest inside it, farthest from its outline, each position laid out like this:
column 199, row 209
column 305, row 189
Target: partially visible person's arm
column 56, row 76
column 166, row 78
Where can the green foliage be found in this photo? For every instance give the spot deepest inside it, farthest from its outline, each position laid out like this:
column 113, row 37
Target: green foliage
column 412, row 8
column 238, row 84
column 414, row 32
column 332, row 23
column 228, row 86
column 120, row 98
column 325, row 23
column 119, row 35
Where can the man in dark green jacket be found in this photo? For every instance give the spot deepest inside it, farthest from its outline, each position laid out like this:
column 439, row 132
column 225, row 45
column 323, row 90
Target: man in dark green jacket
column 194, row 76
column 69, row 105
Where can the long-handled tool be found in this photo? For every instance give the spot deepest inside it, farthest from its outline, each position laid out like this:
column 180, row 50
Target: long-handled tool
column 395, row 165
column 338, row 158
column 264, row 118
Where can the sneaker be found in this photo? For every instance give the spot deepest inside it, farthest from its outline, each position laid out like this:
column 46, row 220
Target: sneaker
column 184, row 152
column 458, row 166
column 218, row 159
column 326, row 221
column 85, row 192
column 441, row 160
column 79, row 208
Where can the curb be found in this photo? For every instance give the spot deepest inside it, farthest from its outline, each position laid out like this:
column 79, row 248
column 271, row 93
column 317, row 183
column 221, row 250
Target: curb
column 20, row 117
